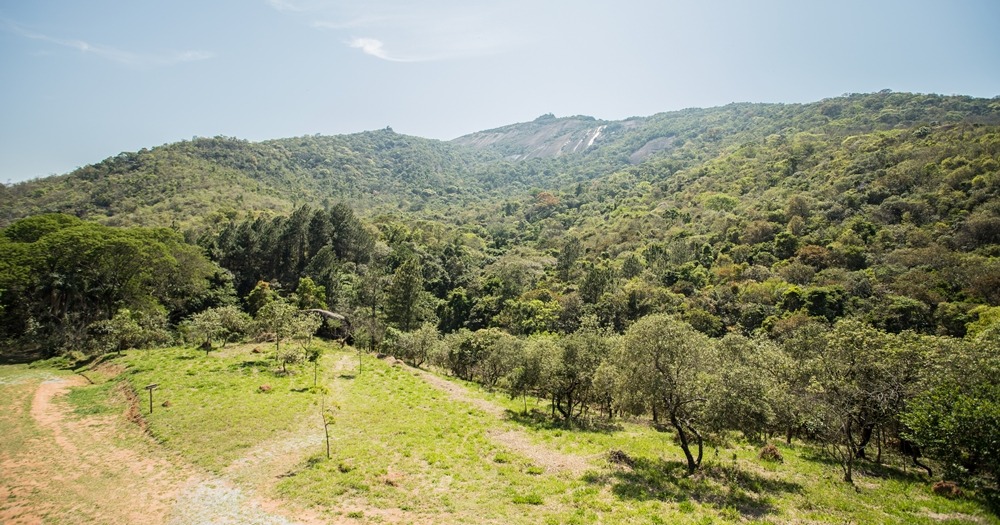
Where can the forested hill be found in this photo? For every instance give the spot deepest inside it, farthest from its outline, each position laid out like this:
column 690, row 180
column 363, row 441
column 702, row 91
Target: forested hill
column 827, row 269
column 211, row 180
column 219, row 177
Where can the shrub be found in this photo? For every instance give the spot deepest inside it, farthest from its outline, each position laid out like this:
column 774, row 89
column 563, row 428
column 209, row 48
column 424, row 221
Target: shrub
column 947, row 489
column 769, row 452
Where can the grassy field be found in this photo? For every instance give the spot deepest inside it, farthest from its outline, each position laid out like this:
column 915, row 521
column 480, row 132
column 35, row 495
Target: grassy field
column 407, row 447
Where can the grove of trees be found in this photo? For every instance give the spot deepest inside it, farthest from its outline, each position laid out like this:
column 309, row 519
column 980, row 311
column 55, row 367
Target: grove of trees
column 828, row 271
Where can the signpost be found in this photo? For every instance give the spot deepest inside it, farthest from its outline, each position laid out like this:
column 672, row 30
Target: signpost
column 150, row 388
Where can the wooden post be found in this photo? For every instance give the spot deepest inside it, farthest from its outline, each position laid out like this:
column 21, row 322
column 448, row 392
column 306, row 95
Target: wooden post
column 150, row 388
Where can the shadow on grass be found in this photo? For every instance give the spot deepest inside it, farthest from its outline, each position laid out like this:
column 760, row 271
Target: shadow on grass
column 721, row 486
column 538, row 420
column 346, row 376
column 885, row 471
column 991, row 500
column 262, row 364
column 866, row 467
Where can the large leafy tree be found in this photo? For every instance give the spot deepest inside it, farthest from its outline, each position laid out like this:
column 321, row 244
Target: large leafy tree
column 956, row 414
column 222, row 323
column 665, row 366
column 64, row 275
column 570, row 376
column 860, row 378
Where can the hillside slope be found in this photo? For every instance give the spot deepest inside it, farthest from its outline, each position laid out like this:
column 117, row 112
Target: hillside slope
column 211, row 180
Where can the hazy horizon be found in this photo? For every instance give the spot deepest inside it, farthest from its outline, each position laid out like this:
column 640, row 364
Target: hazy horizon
column 84, row 82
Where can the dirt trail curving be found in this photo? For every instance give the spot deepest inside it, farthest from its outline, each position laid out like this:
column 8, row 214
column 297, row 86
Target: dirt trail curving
column 49, row 416
column 517, row 440
column 459, row 393
column 60, row 467
column 74, row 469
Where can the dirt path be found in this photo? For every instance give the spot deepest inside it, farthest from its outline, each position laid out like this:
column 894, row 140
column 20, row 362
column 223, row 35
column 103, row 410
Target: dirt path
column 514, row 439
column 459, row 393
column 58, row 467
column 65, row 468
column 245, row 492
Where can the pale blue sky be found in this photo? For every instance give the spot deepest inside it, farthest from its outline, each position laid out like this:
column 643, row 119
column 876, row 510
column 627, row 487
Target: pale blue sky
column 82, row 81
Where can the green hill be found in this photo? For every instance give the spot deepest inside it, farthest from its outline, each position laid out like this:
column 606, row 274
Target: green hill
column 825, row 273
column 212, row 179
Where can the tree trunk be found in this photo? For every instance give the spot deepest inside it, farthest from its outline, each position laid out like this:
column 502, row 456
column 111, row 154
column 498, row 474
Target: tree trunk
column 866, row 436
column 848, row 457
column 697, row 435
column 682, row 436
column 879, row 438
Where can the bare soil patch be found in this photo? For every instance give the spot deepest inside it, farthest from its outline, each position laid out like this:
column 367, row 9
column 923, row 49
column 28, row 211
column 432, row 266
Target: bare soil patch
column 103, row 469
column 78, row 470
column 516, row 440
column 551, row 460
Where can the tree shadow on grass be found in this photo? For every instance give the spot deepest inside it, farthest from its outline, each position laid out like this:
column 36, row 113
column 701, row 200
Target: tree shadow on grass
column 991, row 500
column 538, row 420
column 262, row 364
column 721, row 486
column 886, row 471
column 869, row 468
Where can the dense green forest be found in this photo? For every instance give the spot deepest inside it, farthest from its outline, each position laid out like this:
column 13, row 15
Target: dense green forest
column 829, row 271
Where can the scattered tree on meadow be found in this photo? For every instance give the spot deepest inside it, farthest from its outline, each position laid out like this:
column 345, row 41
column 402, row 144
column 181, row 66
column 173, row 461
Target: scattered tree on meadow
column 223, row 323
column 665, row 368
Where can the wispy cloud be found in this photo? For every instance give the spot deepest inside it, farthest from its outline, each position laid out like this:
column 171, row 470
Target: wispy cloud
column 375, row 48
column 114, row 54
column 284, row 5
column 402, row 31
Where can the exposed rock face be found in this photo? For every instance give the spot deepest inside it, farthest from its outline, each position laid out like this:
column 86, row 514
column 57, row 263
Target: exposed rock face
column 549, row 137
column 545, row 137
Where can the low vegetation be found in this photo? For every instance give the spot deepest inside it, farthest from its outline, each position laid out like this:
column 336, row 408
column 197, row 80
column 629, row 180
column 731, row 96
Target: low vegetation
column 756, row 310
column 404, row 449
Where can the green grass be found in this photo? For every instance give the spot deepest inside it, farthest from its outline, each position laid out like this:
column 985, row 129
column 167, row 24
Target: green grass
column 216, row 407
column 93, row 400
column 403, row 450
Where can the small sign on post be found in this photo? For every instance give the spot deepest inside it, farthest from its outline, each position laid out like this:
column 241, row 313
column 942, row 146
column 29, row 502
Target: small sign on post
column 150, row 388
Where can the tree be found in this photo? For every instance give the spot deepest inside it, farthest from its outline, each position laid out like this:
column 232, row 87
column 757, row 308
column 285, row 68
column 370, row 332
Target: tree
column 61, row 275
column 418, row 346
column 261, row 295
column 597, row 280
column 569, row 379
column 529, row 368
column 859, row 382
column 128, row 329
column 570, row 252
column 225, row 323
column 308, row 295
column 955, row 416
column 454, row 311
column 406, row 300
column 665, row 367
column 278, row 320
column 750, row 393
column 368, row 297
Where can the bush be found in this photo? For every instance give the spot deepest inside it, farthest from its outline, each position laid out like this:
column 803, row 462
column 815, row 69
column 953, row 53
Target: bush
column 769, row 452
column 947, row 489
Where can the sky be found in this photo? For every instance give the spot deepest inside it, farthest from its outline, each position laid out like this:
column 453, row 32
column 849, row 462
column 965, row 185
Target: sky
column 83, row 81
